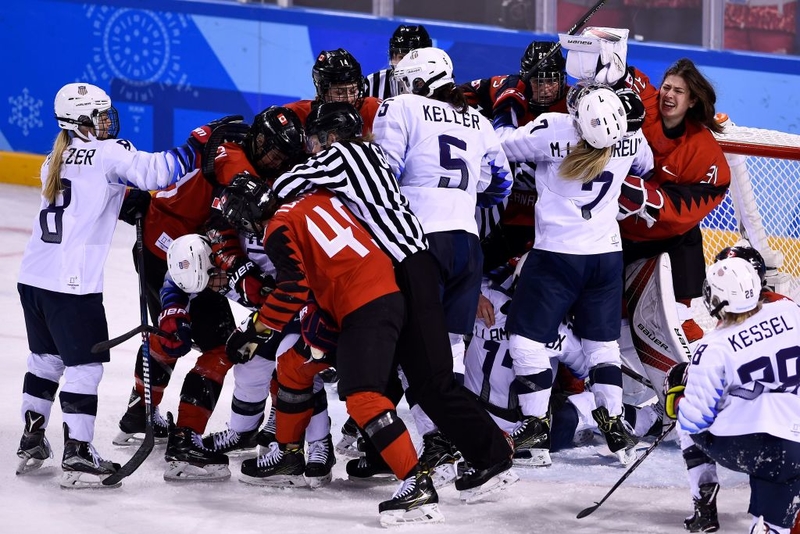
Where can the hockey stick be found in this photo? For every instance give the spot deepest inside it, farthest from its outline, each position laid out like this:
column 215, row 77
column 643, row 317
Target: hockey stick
column 636, row 377
column 149, row 440
column 586, row 511
column 557, row 48
column 111, row 343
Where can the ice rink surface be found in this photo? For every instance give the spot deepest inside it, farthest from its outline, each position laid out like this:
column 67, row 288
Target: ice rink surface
column 654, row 499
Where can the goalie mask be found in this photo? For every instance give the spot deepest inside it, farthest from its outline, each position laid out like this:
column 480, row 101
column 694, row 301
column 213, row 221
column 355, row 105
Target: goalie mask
column 339, row 118
column 423, row 71
column 407, row 37
column 189, row 263
column 548, row 83
column 748, row 253
column 275, row 141
column 84, row 104
column 598, row 114
column 337, row 77
column 247, row 203
column 731, row 286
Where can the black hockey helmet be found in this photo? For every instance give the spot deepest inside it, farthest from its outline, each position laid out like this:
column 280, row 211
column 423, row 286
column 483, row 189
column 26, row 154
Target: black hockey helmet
column 553, row 69
column 276, row 128
column 247, row 202
column 748, row 253
column 407, row 37
column 336, row 67
column 341, row 118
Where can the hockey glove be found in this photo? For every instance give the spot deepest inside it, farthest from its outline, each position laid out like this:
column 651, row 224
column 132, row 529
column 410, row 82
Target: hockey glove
column 674, row 386
column 319, row 330
column 243, row 343
column 136, row 202
column 200, row 135
column 639, row 198
column 599, row 54
column 634, row 109
column 246, row 279
column 174, row 320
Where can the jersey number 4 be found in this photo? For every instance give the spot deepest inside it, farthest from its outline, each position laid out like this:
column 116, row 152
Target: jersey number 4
column 344, row 237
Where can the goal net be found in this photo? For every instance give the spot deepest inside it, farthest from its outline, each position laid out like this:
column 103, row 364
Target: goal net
column 762, row 205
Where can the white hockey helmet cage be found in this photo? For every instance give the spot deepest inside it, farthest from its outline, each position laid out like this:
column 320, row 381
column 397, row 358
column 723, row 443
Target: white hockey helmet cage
column 189, row 262
column 81, row 104
column 424, row 70
column 598, row 114
column 732, row 285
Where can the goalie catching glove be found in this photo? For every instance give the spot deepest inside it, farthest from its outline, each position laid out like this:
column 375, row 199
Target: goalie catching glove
column 319, row 331
column 639, row 198
column 674, row 387
column 597, row 54
column 243, row 342
column 174, row 320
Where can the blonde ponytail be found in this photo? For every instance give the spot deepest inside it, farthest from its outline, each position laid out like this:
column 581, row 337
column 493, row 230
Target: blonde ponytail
column 53, row 185
column 584, row 162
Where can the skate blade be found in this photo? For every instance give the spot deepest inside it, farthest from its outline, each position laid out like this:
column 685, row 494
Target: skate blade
column 532, row 458
column 492, row 486
column 275, row 481
column 427, row 513
column 351, row 450
column 626, row 456
column 380, row 478
column 186, row 472
column 28, row 465
column 80, row 480
column 444, row 475
column 124, row 439
column 318, row 482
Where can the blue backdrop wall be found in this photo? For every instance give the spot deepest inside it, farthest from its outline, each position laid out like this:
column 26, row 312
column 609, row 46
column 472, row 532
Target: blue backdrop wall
column 170, row 65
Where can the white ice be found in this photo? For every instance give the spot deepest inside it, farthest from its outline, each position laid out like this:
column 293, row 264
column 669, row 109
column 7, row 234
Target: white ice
column 654, row 499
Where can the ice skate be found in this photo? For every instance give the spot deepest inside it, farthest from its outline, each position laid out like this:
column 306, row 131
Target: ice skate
column 230, row 441
column 132, row 427
column 318, row 470
column 34, row 448
column 440, row 458
column 369, row 469
column 704, row 518
column 266, row 435
column 476, row 485
column 348, row 445
column 281, row 467
column 532, row 442
column 416, row 501
column 618, row 433
column 83, row 467
column 188, row 460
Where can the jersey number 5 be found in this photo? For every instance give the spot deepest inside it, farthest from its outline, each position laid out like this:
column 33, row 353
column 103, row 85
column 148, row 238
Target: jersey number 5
column 447, row 161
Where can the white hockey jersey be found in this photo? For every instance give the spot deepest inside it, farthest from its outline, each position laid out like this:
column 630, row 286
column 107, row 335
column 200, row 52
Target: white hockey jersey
column 573, row 217
column 71, row 238
column 442, row 159
column 744, row 378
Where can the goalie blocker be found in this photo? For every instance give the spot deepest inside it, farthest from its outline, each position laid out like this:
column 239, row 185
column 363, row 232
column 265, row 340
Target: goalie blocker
column 655, row 327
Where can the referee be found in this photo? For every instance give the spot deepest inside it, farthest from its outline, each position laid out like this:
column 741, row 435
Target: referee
column 404, row 39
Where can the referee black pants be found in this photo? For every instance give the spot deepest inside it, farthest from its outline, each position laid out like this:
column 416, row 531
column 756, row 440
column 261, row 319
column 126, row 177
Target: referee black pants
column 424, row 353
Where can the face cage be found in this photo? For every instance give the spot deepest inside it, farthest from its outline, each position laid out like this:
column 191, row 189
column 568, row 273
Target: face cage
column 113, row 118
column 713, row 304
column 324, row 93
column 538, row 96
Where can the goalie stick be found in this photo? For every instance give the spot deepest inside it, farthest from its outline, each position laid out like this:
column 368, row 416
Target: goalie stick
column 149, row 440
column 586, row 511
column 557, row 48
column 146, row 328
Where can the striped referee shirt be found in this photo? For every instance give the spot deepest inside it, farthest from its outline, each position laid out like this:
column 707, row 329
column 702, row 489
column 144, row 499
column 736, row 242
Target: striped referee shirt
column 360, row 176
column 380, row 84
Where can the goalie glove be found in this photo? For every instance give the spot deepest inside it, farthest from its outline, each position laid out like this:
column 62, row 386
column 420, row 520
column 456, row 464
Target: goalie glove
column 319, row 331
column 243, row 342
column 598, row 54
column 638, row 198
column 674, row 387
column 174, row 320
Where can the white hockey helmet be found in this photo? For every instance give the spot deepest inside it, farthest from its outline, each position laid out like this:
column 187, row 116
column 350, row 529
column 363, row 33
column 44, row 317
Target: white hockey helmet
column 598, row 113
column 424, row 70
column 81, row 104
column 732, row 285
column 189, row 262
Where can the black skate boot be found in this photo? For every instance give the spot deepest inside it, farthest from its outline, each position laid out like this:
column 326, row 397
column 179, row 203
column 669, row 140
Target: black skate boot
column 369, row 468
column 34, row 448
column 82, row 465
column 416, row 501
column 132, row 426
column 320, row 462
column 230, row 441
column 532, row 442
column 704, row 518
column 439, row 458
column 282, row 466
column 266, row 435
column 188, row 460
column 348, row 445
column 475, row 484
column 618, row 433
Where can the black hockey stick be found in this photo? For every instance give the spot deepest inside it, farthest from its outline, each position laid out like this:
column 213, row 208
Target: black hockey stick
column 111, row 343
column 586, row 511
column 637, row 377
column 557, row 48
column 149, row 440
